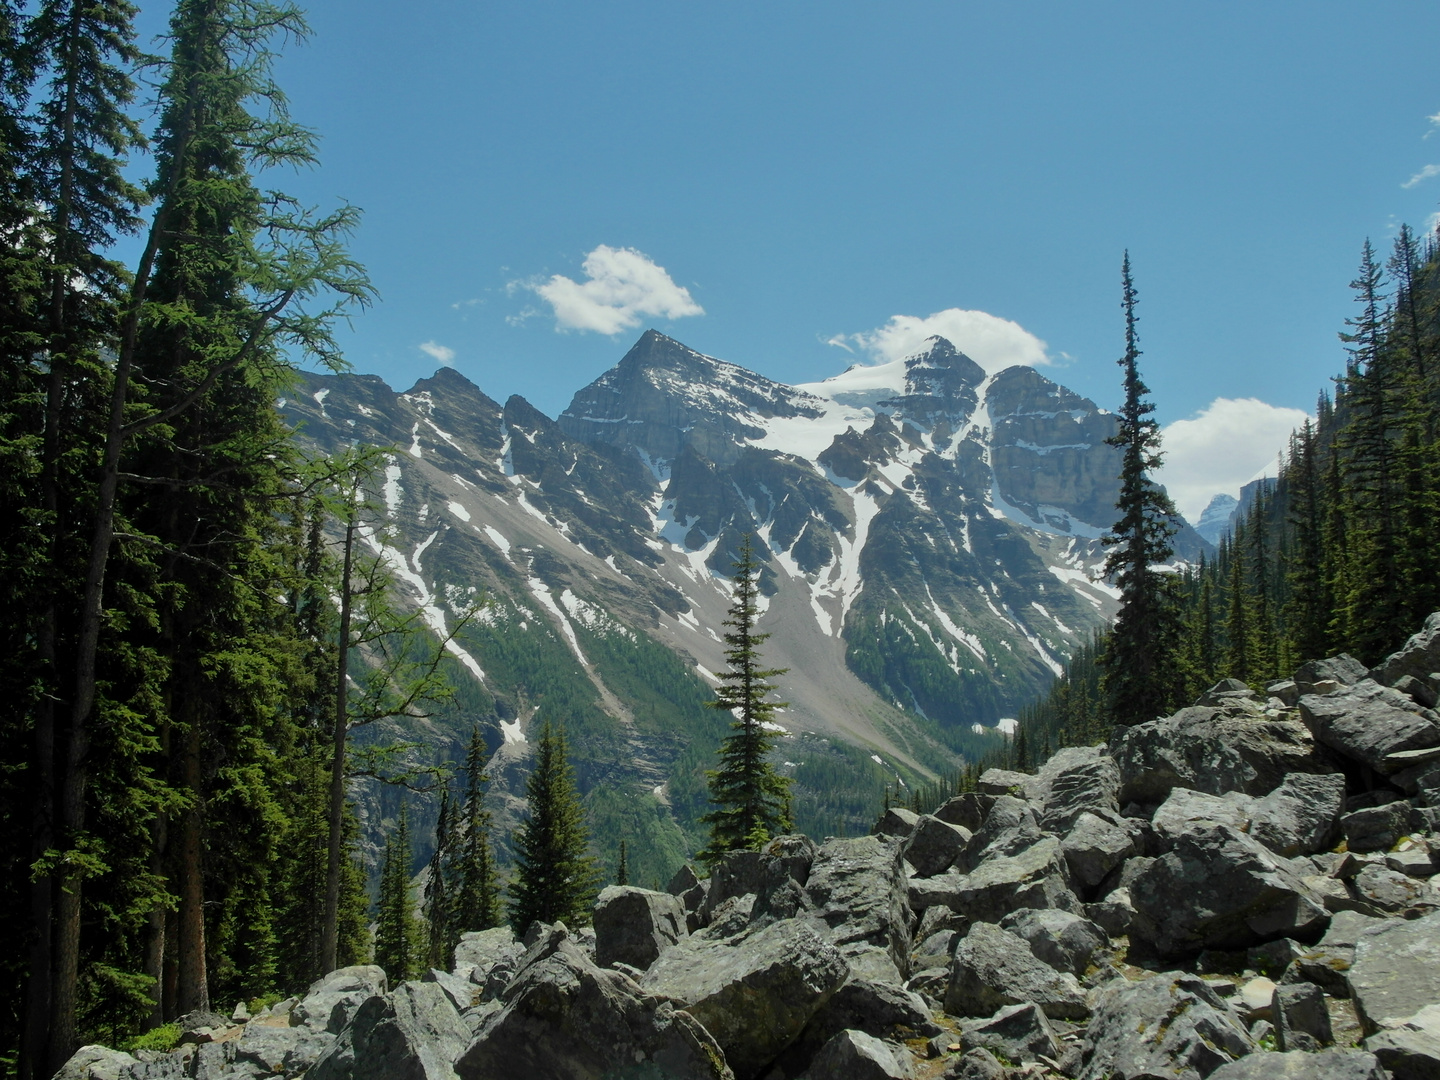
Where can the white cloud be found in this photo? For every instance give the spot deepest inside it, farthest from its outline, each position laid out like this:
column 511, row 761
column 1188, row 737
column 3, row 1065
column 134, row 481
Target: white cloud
column 440, row 353
column 1434, row 125
column 1423, row 174
column 992, row 342
column 622, row 287
column 1223, row 447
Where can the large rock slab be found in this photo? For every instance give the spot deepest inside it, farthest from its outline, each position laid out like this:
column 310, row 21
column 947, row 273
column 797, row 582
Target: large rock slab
column 1407, row 1053
column 1418, row 657
column 857, row 886
column 332, row 1000
column 886, row 1012
column 1396, row 972
column 95, row 1063
column 994, row 968
column 1333, row 1064
column 413, row 1033
column 1094, row 847
column 1065, row 941
column 1376, row 828
column 1015, row 1033
column 563, row 1018
column 854, row 1055
column 934, row 845
column 1368, row 722
column 1184, row 808
column 1075, row 780
column 1301, row 816
column 754, row 992
column 633, row 926
column 1171, row 1025
column 1218, row 889
column 1034, row 877
column 1213, row 750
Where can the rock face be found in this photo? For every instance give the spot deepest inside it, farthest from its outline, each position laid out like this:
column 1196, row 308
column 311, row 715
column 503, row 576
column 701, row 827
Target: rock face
column 1218, row 889
column 854, row 1055
column 1369, row 722
column 1214, row 750
column 1301, row 816
column 994, row 968
column 633, row 926
column 1396, row 973
column 753, row 993
column 857, row 887
column 1298, row 1065
column 1169, row 1025
column 413, row 1033
column 563, row 1017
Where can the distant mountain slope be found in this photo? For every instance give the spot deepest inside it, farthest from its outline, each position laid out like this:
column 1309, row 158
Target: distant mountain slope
column 930, row 535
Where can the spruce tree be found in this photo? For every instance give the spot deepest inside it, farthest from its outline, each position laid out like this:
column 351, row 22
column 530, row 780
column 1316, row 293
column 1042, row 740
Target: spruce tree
column 752, row 800
column 1140, row 658
column 622, row 868
column 396, row 948
column 476, row 885
column 555, row 875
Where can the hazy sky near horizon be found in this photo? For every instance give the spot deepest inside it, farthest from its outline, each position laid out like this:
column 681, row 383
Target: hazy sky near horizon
column 800, row 186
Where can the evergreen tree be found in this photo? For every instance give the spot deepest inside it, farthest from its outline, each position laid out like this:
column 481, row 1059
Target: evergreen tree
column 476, row 887
column 439, row 903
column 555, row 876
column 752, row 800
column 1140, row 667
column 622, row 869
column 396, row 947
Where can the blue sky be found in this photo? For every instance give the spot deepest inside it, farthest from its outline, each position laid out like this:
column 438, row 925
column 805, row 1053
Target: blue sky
column 806, row 172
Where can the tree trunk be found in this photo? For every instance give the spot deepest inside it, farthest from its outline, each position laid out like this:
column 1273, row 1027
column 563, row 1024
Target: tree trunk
column 335, row 849
column 194, row 990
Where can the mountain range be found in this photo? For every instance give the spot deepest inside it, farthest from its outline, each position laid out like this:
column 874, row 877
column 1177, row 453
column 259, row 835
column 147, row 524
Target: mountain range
column 930, row 539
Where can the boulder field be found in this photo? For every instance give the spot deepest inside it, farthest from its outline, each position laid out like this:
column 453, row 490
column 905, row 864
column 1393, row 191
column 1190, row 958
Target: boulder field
column 1247, row 888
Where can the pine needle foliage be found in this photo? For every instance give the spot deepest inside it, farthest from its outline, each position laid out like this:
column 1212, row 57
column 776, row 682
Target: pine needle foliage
column 751, row 799
column 555, row 875
column 1138, row 680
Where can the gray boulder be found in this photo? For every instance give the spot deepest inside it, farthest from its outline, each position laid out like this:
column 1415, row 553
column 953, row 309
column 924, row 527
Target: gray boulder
column 1076, row 780
column 1396, row 972
column 796, row 853
column 273, row 1049
column 1009, row 826
column 968, row 811
column 1301, row 816
column 743, row 873
column 886, row 1012
column 1212, row 750
column 1218, row 889
column 896, row 821
column 563, row 1018
column 1061, row 939
column 1301, row 1017
column 1376, row 828
column 1006, row 782
column 1406, row 1053
column 483, row 949
column 95, row 1063
column 692, row 891
column 1094, row 847
column 1115, row 914
column 633, row 926
column 1016, row 1033
column 413, row 1033
column 977, row 1064
column 1368, row 722
column 461, row 992
column 1035, row 877
column 332, row 1000
column 1184, row 808
column 854, row 1055
column 754, row 992
column 1320, row 676
column 1417, row 658
column 934, row 845
column 857, row 886
column 1171, row 1025
column 1378, row 890
column 1333, row 1064
column 994, row 968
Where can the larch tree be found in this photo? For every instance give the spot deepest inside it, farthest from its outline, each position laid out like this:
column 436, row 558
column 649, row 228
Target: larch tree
column 751, row 799
column 555, row 875
column 1139, row 660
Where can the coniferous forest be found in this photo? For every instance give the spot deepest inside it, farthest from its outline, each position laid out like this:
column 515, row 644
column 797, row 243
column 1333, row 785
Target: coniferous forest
column 1336, row 553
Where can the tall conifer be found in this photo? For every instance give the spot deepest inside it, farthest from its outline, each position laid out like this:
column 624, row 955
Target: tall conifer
column 1140, row 669
column 555, row 875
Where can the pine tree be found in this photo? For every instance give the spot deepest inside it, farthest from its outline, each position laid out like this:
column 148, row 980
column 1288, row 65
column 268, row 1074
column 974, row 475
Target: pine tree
column 439, row 902
column 622, row 869
column 1140, row 667
column 555, row 876
column 477, row 887
column 396, row 948
column 752, row 800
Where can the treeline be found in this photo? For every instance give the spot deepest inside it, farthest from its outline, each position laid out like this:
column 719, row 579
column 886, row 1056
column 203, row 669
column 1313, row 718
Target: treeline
column 1338, row 552
column 185, row 650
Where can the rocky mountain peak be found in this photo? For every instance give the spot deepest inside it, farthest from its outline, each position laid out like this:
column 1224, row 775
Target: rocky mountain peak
column 940, row 370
